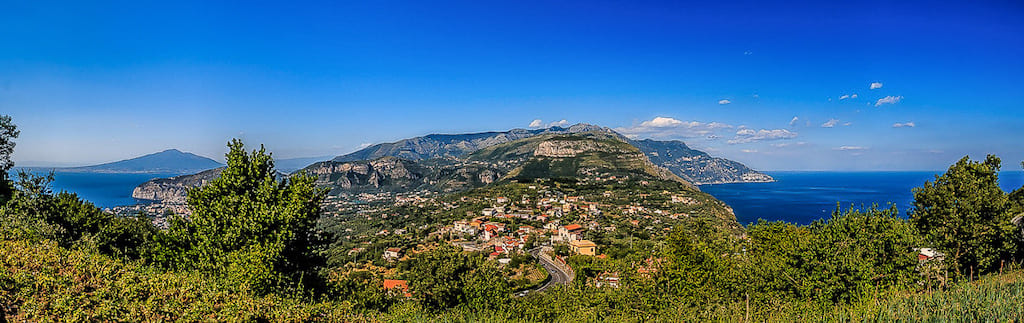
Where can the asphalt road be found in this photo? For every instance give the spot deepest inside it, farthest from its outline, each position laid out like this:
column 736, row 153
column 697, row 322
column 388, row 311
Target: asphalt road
column 557, row 275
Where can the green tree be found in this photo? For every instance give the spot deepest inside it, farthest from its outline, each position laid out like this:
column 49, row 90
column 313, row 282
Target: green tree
column 248, row 226
column 8, row 132
column 858, row 252
column 446, row 277
column 127, row 236
column 361, row 288
column 965, row 214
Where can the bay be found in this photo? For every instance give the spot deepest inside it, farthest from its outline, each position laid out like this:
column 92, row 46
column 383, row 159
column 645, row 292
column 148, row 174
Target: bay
column 802, row 197
column 105, row 190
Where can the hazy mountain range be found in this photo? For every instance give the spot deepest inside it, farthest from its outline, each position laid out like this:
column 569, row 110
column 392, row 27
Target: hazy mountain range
column 453, row 162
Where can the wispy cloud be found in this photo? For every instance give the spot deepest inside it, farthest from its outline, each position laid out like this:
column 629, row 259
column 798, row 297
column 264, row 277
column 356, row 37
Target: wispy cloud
column 536, row 123
column 850, row 148
column 559, row 123
column 876, row 85
column 789, row 144
column 750, row 135
column 830, row 123
column 749, row 151
column 724, row 101
column 909, row 124
column 666, row 127
column 793, row 121
column 848, row 96
column 888, row 100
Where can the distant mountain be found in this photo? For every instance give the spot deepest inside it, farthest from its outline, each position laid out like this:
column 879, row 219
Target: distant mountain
column 167, row 161
column 694, row 166
column 697, row 166
column 453, row 145
column 578, row 155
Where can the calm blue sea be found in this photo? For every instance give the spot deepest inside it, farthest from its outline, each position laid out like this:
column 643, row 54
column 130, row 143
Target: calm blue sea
column 802, row 197
column 104, row 190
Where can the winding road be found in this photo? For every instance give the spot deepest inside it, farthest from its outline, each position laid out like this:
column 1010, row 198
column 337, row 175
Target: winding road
column 557, row 275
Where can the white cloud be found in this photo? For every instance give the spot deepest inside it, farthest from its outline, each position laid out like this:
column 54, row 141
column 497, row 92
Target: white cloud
column 536, row 123
column 749, row 151
column 848, row 96
column 909, row 124
column 888, row 100
column 876, row 85
column 850, row 148
column 847, row 124
column 560, row 123
column 789, row 144
column 750, row 135
column 748, row 53
column 830, row 123
column 724, row 101
column 365, row 144
column 793, row 121
column 665, row 127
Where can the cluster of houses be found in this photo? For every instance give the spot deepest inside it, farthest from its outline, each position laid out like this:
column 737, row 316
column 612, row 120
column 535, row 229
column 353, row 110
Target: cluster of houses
column 489, row 234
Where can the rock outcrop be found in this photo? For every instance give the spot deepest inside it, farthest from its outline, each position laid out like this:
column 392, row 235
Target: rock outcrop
column 174, row 189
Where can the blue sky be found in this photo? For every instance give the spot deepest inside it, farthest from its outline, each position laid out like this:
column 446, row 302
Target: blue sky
column 758, row 82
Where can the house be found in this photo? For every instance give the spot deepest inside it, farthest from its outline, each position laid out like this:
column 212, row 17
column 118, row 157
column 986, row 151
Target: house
column 583, row 247
column 397, row 287
column 607, row 279
column 392, row 254
column 466, row 227
column 487, row 211
column 571, row 232
column 502, row 200
column 927, row 254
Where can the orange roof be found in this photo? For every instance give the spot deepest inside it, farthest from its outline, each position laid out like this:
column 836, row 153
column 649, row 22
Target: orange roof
column 573, row 227
column 390, row 284
column 395, row 249
column 395, row 283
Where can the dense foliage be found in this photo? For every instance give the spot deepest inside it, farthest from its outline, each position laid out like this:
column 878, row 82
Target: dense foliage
column 965, row 214
column 8, row 132
column 250, row 250
column 248, row 226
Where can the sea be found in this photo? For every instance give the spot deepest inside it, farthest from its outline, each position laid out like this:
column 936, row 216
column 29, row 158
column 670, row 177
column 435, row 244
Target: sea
column 803, row 197
column 796, row 197
column 105, row 190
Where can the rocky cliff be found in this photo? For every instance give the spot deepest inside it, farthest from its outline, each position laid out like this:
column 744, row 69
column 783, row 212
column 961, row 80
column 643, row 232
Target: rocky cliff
column 383, row 174
column 391, row 174
column 174, row 189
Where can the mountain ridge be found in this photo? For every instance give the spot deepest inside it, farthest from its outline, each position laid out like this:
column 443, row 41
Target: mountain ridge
column 695, row 166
